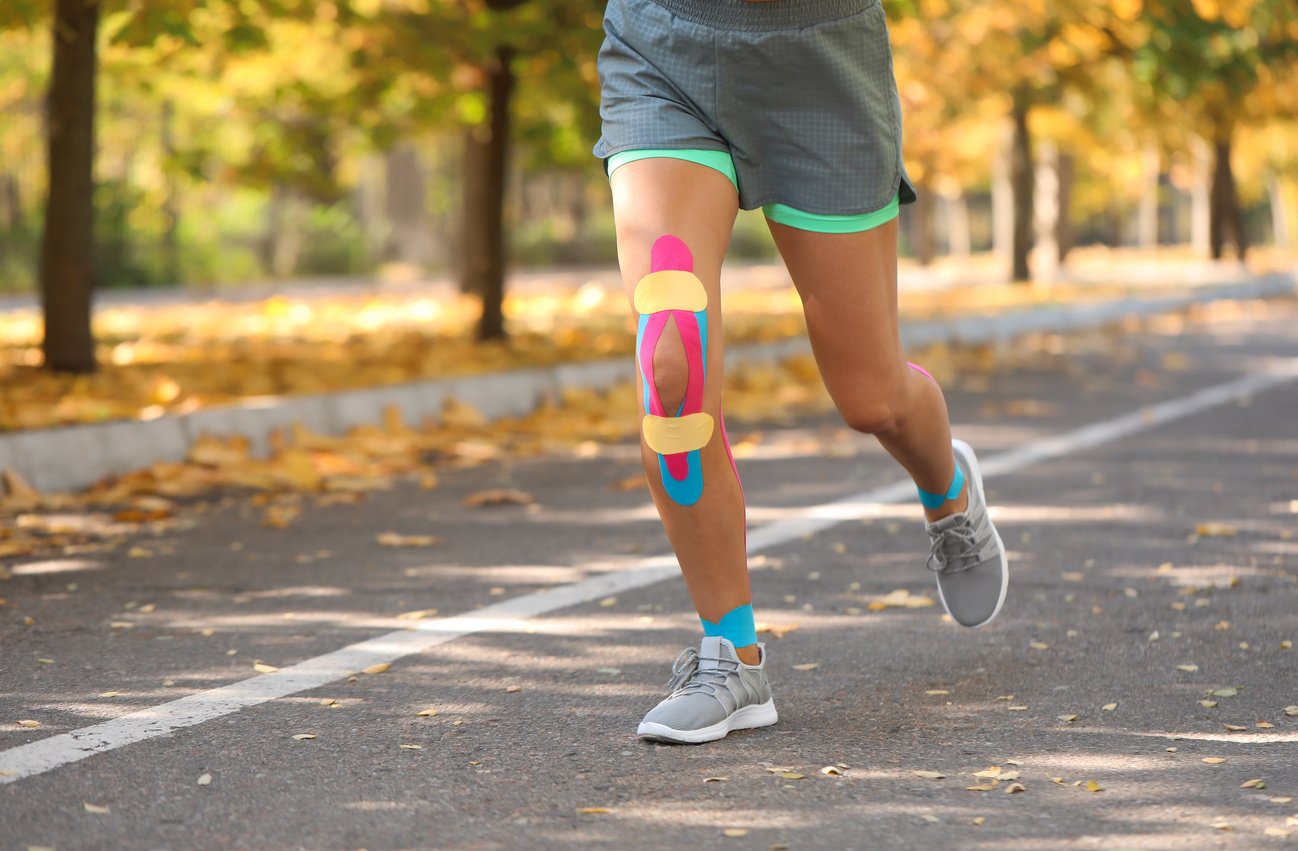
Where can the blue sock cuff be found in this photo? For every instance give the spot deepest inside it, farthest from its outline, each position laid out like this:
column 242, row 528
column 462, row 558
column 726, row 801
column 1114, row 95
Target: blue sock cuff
column 736, row 626
column 935, row 500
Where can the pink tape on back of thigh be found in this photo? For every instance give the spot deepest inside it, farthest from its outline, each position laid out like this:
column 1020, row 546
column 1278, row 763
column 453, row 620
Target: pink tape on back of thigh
column 922, row 371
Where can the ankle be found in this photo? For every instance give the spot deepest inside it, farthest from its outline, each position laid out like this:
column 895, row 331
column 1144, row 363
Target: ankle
column 750, row 655
column 946, row 509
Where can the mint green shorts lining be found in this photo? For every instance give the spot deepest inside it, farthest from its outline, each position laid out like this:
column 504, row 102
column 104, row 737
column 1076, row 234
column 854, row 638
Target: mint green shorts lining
column 782, row 213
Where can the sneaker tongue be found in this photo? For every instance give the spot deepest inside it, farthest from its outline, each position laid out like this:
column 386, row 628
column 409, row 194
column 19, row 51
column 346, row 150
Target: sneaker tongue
column 715, row 647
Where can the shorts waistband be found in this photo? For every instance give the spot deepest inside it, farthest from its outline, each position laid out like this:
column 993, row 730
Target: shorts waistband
column 769, row 15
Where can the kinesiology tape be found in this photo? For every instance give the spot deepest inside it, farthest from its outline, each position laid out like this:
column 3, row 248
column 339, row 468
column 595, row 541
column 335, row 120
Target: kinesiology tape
column 671, row 292
column 736, row 626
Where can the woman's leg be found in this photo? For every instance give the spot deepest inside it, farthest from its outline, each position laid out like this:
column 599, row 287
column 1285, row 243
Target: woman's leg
column 848, row 285
column 670, row 213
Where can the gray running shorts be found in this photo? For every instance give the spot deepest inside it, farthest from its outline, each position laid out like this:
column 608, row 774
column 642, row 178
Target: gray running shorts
column 801, row 93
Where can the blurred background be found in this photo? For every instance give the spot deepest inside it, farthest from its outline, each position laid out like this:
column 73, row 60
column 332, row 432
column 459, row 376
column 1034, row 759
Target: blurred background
column 445, row 141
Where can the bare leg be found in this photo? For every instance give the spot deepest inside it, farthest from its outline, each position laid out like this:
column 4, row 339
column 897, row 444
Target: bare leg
column 652, row 198
column 848, row 285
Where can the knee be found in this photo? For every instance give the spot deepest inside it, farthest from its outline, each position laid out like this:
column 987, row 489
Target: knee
column 671, row 373
column 872, row 417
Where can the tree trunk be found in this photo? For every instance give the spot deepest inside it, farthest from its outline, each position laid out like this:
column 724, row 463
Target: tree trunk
column 1200, row 198
column 925, row 234
column 959, row 239
column 1225, row 215
column 1275, row 188
column 1147, row 205
column 1003, row 201
column 485, row 154
column 1021, row 178
column 1046, row 201
column 170, row 203
column 1064, row 224
column 67, row 246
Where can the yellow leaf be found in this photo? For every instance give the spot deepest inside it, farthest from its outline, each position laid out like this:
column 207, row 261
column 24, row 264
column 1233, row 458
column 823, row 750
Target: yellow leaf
column 900, row 599
column 1037, row 645
column 1265, row 725
column 94, row 808
column 1109, row 707
column 264, row 668
column 498, row 497
column 1221, row 530
column 735, row 832
column 1016, row 709
column 377, row 668
column 393, row 539
column 776, row 630
column 792, row 775
column 1068, row 718
column 420, row 614
column 513, row 689
column 29, row 723
column 1015, row 787
column 1214, row 760
column 1189, row 669
column 1092, row 786
column 807, row 666
column 426, row 713
column 937, row 691
column 413, row 747
column 831, row 771
column 1256, row 783
column 304, row 736
column 593, row 810
column 979, row 821
column 984, row 788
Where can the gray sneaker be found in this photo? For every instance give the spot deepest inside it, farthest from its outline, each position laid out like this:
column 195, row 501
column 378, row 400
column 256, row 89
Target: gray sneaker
column 968, row 555
column 711, row 693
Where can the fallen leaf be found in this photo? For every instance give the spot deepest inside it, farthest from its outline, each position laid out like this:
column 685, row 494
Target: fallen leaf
column 1068, row 718
column 1291, row 711
column 608, row 602
column 929, row 775
column 94, row 808
column 426, row 713
column 1222, row 825
column 1189, row 669
column 204, row 780
column 983, row 788
column 393, row 539
column 417, row 615
column 1015, row 787
column 776, row 630
column 807, row 666
column 1220, row 530
column 29, row 723
column 1092, row 786
column 715, row 779
column 1279, row 832
column 593, row 810
column 1016, row 709
column 499, row 496
column 1265, row 725
column 1256, row 783
column 513, row 689
column 832, row 771
column 900, row 599
column 1214, row 760
column 937, row 691
column 1208, row 704
column 377, row 668
column 735, row 832
column 416, row 748
column 1234, row 728
column 1039, row 645
column 1224, row 692
column 264, row 668
column 978, row 821
column 1281, row 799
column 1109, row 707
column 792, row 775
column 304, row 736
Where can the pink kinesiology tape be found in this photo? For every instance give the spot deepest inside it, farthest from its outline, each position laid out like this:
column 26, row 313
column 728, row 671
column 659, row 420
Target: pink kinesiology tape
column 922, row 371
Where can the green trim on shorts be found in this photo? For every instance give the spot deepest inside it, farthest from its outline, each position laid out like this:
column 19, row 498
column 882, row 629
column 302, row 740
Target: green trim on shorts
column 784, row 214
column 826, row 223
column 719, row 160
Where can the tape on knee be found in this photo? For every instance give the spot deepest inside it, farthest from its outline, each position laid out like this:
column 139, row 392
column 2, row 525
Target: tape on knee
column 671, row 292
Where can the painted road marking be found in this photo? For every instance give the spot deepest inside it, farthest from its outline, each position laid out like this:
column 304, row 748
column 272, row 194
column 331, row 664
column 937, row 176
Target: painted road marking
column 509, row 615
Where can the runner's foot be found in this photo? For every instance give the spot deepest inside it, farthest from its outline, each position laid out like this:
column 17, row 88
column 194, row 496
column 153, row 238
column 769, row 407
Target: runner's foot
column 711, row 694
column 967, row 553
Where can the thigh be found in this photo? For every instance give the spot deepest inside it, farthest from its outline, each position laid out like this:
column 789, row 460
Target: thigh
column 659, row 196
column 848, row 286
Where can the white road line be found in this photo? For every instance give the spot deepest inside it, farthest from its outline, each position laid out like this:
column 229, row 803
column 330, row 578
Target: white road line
column 509, row 615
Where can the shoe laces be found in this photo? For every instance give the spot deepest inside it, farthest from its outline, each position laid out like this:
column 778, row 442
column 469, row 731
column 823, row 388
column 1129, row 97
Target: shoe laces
column 954, row 549
column 689, row 678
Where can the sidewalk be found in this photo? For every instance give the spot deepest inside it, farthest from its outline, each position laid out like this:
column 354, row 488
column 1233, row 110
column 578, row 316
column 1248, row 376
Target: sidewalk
column 75, row 457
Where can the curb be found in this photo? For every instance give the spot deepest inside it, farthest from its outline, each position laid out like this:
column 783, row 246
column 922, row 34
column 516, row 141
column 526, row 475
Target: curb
column 74, row 457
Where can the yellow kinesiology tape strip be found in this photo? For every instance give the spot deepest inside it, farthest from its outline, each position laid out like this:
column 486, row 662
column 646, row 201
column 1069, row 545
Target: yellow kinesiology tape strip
column 674, row 435
column 670, row 289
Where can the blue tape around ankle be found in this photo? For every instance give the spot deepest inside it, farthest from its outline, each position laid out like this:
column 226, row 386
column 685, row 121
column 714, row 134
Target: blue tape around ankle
column 935, row 500
column 736, row 626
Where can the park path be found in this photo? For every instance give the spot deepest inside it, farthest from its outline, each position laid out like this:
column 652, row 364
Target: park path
column 1148, row 571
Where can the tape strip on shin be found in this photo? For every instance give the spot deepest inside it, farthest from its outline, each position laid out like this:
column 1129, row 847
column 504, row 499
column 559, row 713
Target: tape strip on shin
column 672, row 292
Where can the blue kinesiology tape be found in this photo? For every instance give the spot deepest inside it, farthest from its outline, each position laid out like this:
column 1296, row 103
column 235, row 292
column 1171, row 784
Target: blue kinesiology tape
column 736, row 626
column 935, row 500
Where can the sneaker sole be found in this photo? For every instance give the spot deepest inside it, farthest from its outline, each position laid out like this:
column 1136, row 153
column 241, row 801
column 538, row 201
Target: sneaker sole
column 745, row 718
column 972, row 460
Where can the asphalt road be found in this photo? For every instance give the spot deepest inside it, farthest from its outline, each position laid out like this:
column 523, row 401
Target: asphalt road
column 1146, row 573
